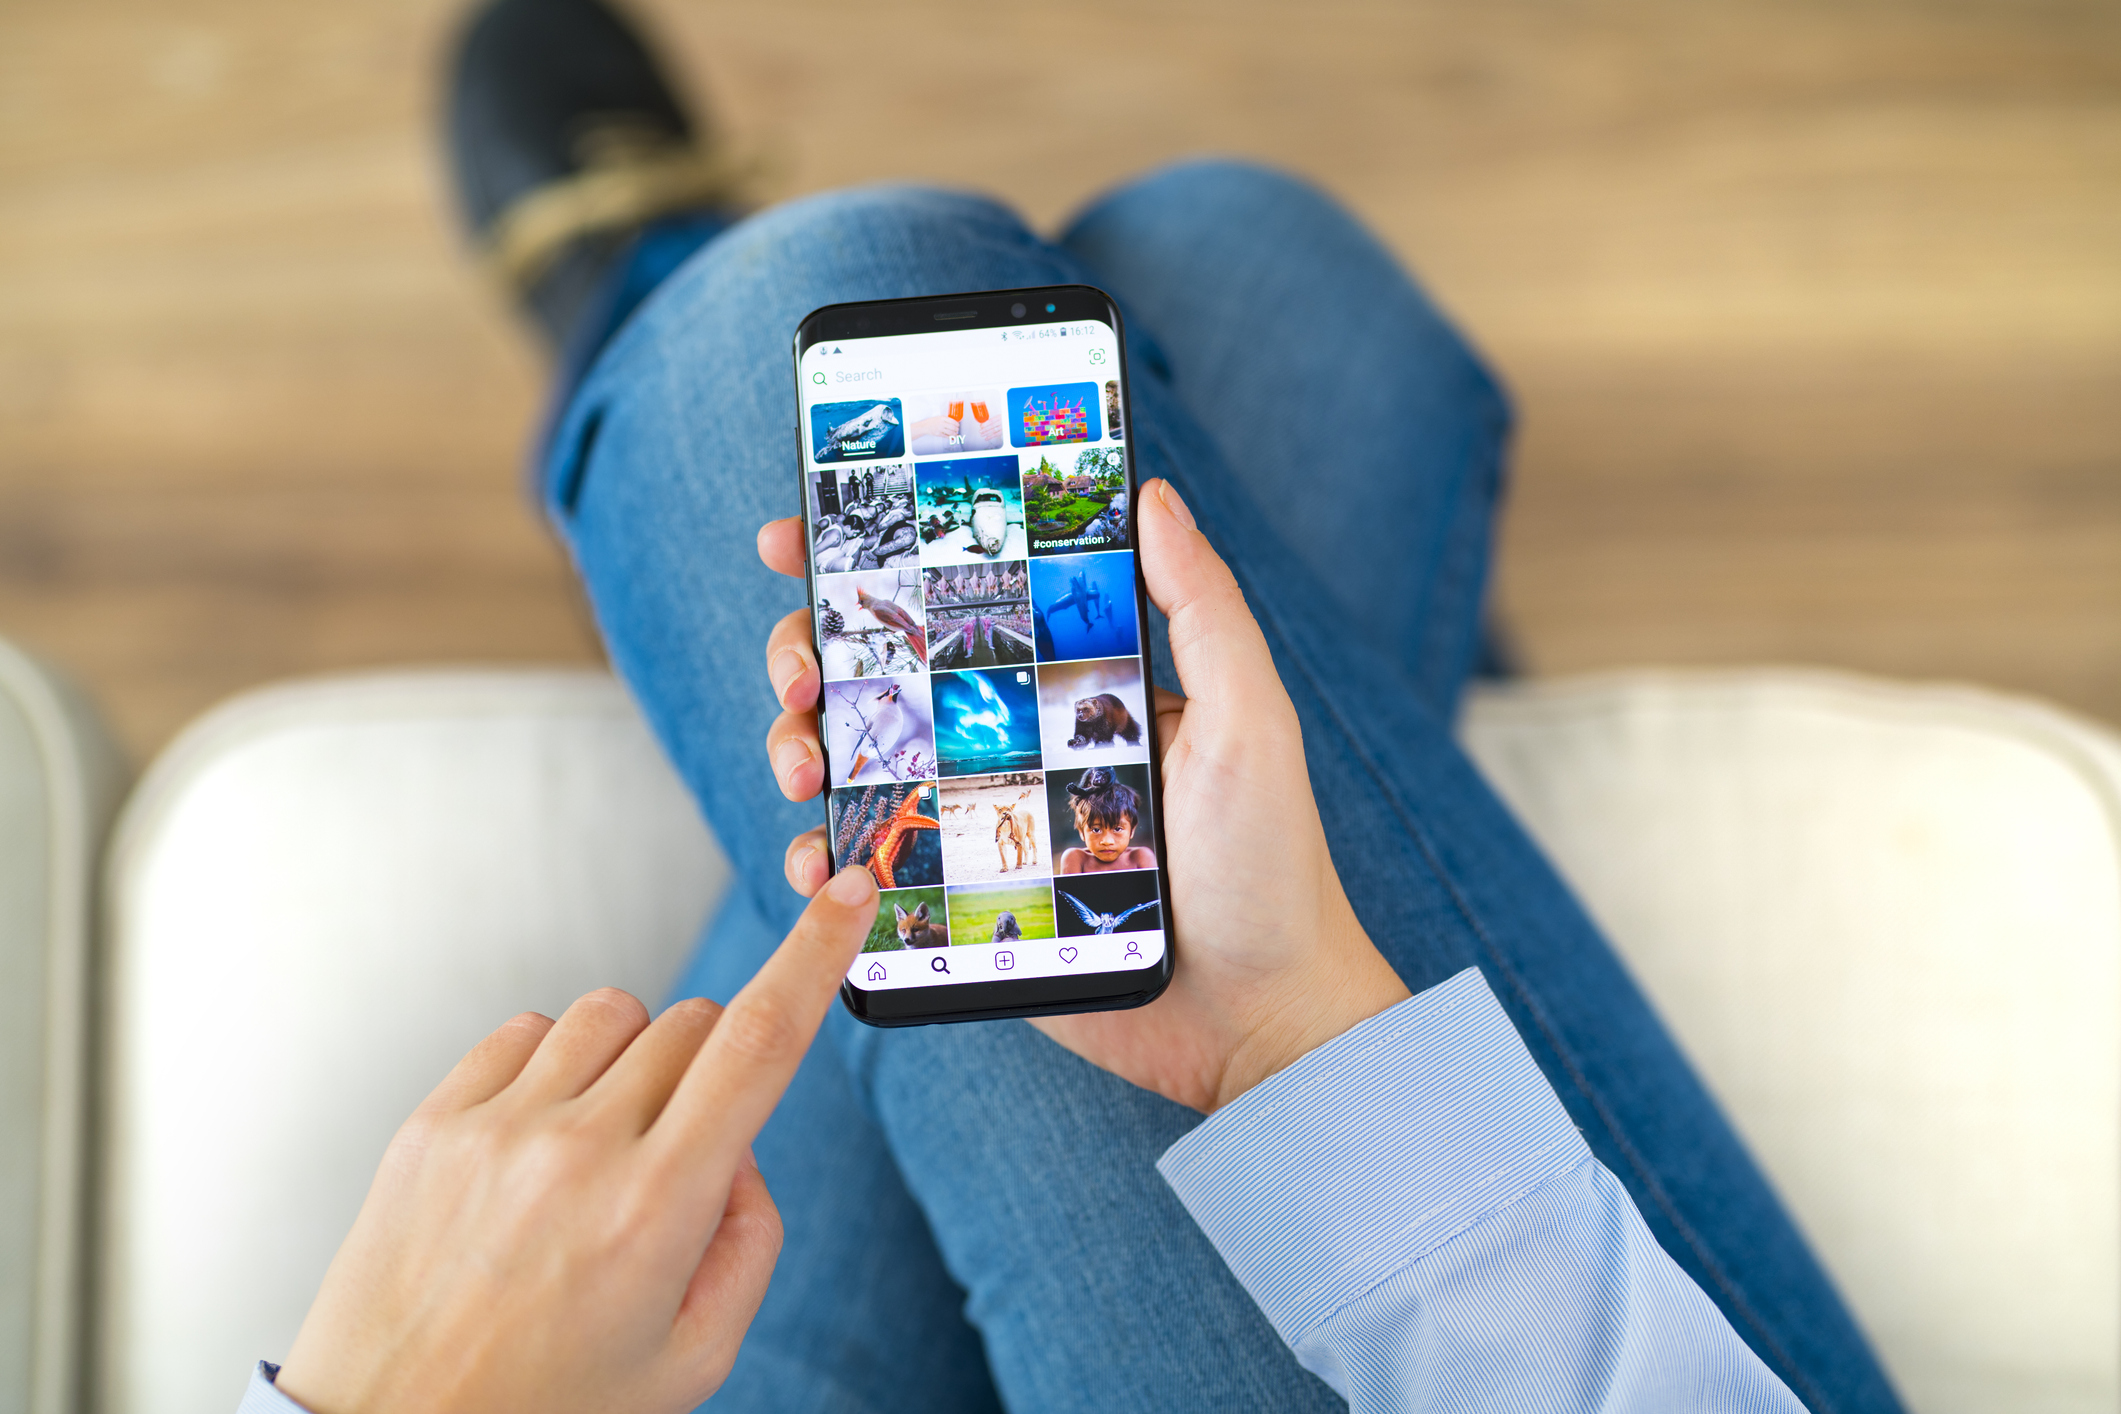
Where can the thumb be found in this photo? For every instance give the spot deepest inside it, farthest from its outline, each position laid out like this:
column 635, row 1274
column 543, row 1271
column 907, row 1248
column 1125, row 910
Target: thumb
column 1221, row 656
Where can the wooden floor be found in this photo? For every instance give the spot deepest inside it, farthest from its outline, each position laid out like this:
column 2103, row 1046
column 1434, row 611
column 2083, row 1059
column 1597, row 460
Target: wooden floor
column 1813, row 307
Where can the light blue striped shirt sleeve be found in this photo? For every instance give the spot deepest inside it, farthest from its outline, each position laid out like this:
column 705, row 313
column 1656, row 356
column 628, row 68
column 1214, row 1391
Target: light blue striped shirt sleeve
column 1412, row 1208
column 263, row 1396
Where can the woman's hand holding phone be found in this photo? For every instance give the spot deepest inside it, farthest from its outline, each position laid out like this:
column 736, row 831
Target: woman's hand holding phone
column 1271, row 962
column 572, row 1220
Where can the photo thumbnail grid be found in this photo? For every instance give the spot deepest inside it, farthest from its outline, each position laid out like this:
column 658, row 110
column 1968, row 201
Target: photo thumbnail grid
column 985, row 711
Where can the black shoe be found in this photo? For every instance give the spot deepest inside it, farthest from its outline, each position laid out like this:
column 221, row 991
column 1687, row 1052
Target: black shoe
column 566, row 139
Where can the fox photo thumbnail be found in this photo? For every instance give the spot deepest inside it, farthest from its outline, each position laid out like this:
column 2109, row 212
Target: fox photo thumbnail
column 861, row 518
column 1085, row 905
column 878, row 730
column 1075, row 501
column 909, row 918
column 870, row 427
column 979, row 616
column 871, row 623
column 971, row 510
column 986, row 721
column 1054, row 413
column 889, row 830
column 1100, row 818
column 1000, row 913
column 953, row 424
column 1093, row 713
column 994, row 827
column 1082, row 606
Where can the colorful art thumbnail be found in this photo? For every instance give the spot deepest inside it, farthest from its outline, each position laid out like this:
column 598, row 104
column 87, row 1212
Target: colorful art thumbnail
column 1055, row 412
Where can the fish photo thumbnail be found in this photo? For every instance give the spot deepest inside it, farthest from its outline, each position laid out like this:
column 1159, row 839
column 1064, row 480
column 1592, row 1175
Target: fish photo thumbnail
column 1000, row 913
column 1083, row 606
column 1094, row 713
column 986, row 721
column 871, row 624
column 1054, row 413
column 878, row 730
column 1075, row 501
column 892, row 831
column 861, row 518
column 971, row 510
column 870, row 427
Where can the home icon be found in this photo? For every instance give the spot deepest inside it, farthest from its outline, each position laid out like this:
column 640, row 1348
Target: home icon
column 876, row 972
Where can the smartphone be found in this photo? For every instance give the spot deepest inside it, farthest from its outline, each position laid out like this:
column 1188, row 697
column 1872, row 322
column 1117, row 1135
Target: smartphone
column 987, row 715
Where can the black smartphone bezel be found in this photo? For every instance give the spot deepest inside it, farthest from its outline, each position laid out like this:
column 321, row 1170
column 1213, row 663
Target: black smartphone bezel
column 990, row 309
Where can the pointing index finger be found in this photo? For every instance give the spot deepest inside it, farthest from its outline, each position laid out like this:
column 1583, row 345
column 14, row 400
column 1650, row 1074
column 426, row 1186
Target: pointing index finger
column 737, row 1078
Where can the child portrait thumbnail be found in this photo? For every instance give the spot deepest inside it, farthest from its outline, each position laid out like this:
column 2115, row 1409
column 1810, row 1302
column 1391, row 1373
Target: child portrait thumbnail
column 986, row 721
column 1094, row 713
column 1083, row 606
column 1054, row 413
column 889, row 830
column 1076, row 502
column 871, row 623
column 1101, row 819
column 1085, row 905
column 971, row 510
column 869, row 427
column 952, row 424
column 909, row 918
column 861, row 518
column 994, row 827
column 979, row 616
column 879, row 730
column 1000, row 913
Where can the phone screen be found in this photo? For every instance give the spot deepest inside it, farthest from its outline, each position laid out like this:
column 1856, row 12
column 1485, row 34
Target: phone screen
column 985, row 715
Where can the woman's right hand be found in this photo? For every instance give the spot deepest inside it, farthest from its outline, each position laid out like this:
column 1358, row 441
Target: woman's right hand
column 1271, row 961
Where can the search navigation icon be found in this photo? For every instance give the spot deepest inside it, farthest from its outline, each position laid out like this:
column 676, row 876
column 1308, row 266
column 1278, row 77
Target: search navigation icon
column 939, row 964
column 818, row 377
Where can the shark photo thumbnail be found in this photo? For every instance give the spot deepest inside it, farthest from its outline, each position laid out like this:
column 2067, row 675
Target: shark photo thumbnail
column 1083, row 606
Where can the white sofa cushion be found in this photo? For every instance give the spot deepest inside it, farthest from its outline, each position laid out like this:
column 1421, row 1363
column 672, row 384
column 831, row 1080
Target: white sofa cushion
column 322, row 896
column 1882, row 919
column 1885, row 923
column 59, row 780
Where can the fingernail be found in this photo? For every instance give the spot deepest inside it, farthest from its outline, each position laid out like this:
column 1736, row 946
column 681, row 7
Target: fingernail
column 787, row 667
column 1177, row 506
column 851, row 885
column 802, row 861
column 788, row 756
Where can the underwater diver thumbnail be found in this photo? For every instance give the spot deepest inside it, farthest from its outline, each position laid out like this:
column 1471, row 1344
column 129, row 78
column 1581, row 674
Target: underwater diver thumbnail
column 1083, row 607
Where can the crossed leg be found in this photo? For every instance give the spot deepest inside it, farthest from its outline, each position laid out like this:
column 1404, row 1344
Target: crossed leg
column 979, row 1173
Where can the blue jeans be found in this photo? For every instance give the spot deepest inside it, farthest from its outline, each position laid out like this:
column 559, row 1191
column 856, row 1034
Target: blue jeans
column 973, row 1216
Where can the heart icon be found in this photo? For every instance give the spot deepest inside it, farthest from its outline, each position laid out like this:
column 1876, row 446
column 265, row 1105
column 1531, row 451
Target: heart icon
column 1067, row 954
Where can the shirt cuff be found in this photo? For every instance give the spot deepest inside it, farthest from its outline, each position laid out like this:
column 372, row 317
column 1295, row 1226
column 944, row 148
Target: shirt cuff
column 263, row 1397
column 1372, row 1151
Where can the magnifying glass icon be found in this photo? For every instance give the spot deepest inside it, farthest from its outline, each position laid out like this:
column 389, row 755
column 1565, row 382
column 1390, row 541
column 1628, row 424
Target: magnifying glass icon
column 818, row 378
column 939, row 964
